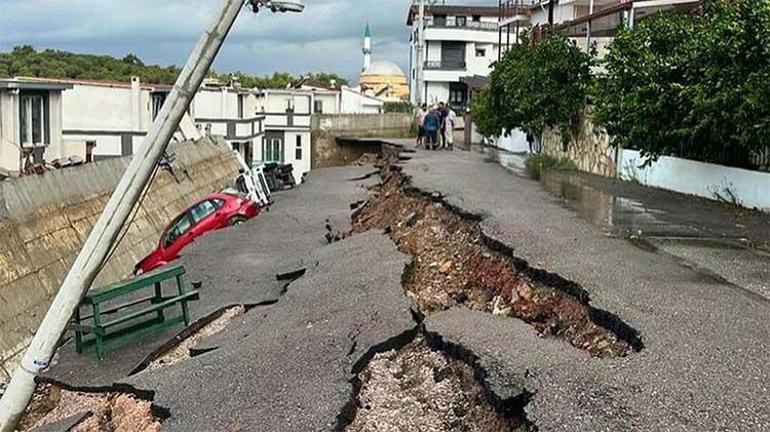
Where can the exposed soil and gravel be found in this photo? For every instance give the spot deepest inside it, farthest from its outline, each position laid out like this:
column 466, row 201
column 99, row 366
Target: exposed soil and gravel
column 454, row 266
column 104, row 412
column 419, row 389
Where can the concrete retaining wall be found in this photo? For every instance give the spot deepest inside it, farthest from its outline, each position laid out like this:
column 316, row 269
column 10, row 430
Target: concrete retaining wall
column 327, row 128
column 45, row 219
column 739, row 186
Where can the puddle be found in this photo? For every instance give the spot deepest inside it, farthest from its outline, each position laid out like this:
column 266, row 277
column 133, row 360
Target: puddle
column 510, row 161
column 616, row 214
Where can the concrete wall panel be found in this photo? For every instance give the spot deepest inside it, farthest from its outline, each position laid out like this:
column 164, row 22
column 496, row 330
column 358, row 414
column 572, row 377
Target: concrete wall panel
column 45, row 219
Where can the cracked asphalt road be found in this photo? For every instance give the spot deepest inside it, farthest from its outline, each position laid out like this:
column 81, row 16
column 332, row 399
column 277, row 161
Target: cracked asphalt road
column 705, row 365
column 288, row 366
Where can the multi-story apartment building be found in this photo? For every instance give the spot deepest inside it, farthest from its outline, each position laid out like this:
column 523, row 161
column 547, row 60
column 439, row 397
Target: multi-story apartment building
column 459, row 42
column 592, row 24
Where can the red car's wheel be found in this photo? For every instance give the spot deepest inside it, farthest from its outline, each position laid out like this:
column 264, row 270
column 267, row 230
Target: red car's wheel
column 236, row 220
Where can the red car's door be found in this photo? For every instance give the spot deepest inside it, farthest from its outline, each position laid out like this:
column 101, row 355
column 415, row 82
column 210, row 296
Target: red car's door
column 179, row 235
column 206, row 217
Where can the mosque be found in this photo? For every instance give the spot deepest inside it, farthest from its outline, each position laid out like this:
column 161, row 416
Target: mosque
column 380, row 78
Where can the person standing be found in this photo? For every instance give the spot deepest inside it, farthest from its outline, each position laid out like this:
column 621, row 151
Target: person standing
column 432, row 125
column 449, row 127
column 441, row 118
column 420, row 119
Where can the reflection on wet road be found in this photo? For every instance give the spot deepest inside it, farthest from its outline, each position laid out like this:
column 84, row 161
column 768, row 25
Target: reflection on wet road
column 716, row 239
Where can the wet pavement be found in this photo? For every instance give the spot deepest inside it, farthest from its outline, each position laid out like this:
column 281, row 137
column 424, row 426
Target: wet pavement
column 719, row 239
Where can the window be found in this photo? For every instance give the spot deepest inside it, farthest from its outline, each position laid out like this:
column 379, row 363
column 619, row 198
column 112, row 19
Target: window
column 298, row 150
column 272, row 150
column 180, row 228
column 240, row 106
column 289, row 104
column 32, row 120
column 476, row 18
column 218, row 203
column 158, row 99
column 461, row 21
column 481, row 52
column 318, row 107
column 202, row 210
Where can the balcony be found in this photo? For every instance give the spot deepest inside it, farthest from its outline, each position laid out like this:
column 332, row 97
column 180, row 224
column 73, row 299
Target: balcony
column 233, row 129
column 445, row 65
column 460, row 23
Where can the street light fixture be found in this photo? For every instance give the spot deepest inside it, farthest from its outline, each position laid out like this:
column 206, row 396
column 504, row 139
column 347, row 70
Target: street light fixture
column 106, row 231
column 277, row 6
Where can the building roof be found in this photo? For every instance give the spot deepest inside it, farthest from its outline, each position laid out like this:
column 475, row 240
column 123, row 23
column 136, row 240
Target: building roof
column 33, row 84
column 95, row 83
column 492, row 11
column 368, row 31
column 383, row 67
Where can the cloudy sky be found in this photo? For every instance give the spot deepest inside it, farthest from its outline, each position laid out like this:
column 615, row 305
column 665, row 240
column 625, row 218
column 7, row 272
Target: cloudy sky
column 327, row 37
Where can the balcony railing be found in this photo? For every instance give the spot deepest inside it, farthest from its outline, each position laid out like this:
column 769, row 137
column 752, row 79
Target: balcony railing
column 446, row 66
column 461, row 23
column 233, row 129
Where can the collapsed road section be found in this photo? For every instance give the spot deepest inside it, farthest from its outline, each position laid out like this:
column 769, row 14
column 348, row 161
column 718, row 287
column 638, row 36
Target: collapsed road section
column 54, row 407
column 419, row 388
column 430, row 383
column 456, row 265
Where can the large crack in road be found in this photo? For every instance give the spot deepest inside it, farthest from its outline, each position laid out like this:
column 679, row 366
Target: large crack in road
column 425, row 384
column 455, row 264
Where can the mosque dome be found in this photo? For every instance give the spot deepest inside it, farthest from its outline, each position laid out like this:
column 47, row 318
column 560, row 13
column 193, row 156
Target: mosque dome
column 383, row 68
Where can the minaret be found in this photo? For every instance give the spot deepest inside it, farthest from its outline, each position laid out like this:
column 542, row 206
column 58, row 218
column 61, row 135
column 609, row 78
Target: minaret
column 367, row 47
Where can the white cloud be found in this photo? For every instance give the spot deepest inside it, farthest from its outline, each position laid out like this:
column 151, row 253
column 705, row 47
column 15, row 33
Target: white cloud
column 326, row 37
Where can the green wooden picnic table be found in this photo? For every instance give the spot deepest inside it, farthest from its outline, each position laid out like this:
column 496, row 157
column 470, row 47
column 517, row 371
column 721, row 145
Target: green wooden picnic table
column 137, row 318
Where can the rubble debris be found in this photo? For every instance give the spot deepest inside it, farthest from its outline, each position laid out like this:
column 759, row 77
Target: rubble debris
column 368, row 159
column 454, row 265
column 95, row 411
column 418, row 388
column 181, row 351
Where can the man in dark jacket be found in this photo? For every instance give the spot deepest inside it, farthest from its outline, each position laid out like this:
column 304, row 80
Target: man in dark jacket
column 431, row 124
column 442, row 113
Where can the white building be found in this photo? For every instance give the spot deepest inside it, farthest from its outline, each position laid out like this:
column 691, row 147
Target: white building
column 354, row 102
column 460, row 42
column 593, row 24
column 287, row 128
column 231, row 113
column 31, row 124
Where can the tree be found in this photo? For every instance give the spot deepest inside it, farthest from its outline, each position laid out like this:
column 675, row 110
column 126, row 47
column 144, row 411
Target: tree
column 483, row 114
column 534, row 88
column 694, row 86
column 26, row 61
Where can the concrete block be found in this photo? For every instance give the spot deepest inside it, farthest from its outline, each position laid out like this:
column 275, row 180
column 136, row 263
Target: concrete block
column 22, row 294
column 52, row 247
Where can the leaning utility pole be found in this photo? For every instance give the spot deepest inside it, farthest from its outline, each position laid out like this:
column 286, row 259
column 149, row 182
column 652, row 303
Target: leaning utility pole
column 104, row 234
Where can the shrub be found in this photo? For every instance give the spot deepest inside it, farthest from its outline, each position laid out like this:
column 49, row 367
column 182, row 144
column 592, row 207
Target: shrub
column 536, row 164
column 398, row 107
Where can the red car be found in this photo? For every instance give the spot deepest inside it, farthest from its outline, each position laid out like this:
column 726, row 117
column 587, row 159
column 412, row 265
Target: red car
column 217, row 211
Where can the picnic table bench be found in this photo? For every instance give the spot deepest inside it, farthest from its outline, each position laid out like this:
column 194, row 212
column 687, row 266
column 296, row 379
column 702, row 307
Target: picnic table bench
column 106, row 333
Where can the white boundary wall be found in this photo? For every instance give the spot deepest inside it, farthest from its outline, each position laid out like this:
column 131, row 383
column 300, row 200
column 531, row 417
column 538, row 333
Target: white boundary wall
column 747, row 188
